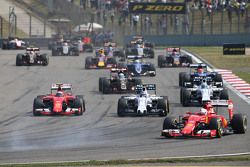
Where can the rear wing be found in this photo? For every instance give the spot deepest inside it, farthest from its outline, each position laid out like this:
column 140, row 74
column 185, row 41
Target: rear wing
column 137, row 37
column 197, row 65
column 134, row 57
column 224, row 103
column 139, row 88
column 32, row 49
column 107, row 44
column 118, row 70
column 63, row 86
column 170, row 50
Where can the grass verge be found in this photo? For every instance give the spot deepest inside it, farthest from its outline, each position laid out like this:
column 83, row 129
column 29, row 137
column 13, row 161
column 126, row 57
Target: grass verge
column 136, row 162
column 239, row 64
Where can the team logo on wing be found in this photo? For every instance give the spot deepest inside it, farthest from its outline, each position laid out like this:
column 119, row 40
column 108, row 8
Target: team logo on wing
column 138, row 68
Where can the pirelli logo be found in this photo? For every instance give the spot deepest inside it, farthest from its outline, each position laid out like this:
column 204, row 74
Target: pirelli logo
column 158, row 8
column 234, row 49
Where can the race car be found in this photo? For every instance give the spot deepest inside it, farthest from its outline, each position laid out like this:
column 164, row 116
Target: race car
column 204, row 92
column 100, row 61
column 137, row 67
column 206, row 123
column 140, row 47
column 197, row 73
column 32, row 56
column 83, row 44
column 60, row 101
column 174, row 58
column 142, row 103
column 119, row 82
column 111, row 49
column 65, row 48
column 14, row 43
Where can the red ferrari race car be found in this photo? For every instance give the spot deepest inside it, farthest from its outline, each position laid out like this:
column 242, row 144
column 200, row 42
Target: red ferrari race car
column 60, row 101
column 206, row 122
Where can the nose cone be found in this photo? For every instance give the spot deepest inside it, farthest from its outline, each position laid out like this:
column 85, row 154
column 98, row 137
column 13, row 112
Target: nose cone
column 57, row 106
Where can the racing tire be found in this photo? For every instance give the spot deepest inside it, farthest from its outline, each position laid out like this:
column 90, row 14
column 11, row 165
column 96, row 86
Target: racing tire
column 152, row 54
column 186, row 78
column 189, row 60
column 224, row 94
column 88, row 62
column 160, row 60
column 111, row 60
column 216, row 124
column 239, row 123
column 161, row 104
column 122, row 105
column 152, row 68
column 169, row 123
column 78, row 103
column 105, row 86
column 218, row 78
column 76, row 53
column 101, row 83
column 54, row 52
column 45, row 59
column 181, row 75
column 4, row 45
column 19, row 60
column 38, row 103
column 186, row 95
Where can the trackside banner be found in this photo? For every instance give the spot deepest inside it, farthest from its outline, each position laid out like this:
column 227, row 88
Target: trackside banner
column 157, row 8
column 234, row 49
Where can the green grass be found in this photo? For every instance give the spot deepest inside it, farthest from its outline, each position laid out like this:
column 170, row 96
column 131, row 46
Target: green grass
column 239, row 64
column 172, row 161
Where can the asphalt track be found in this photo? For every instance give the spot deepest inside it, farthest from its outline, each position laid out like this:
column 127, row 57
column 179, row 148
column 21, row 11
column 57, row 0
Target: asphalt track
column 99, row 134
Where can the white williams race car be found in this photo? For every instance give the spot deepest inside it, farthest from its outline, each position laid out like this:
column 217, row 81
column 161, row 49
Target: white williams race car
column 142, row 103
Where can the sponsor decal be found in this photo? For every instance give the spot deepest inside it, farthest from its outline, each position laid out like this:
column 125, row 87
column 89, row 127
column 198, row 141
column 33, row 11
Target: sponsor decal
column 157, row 8
column 234, row 49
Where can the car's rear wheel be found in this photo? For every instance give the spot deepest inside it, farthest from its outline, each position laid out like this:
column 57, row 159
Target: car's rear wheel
column 239, row 123
column 88, row 62
column 162, row 106
column 160, row 61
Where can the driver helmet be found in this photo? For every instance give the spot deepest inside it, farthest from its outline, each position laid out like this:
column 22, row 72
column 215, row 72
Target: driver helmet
column 121, row 75
column 200, row 70
column 101, row 51
column 208, row 106
column 59, row 94
column 203, row 111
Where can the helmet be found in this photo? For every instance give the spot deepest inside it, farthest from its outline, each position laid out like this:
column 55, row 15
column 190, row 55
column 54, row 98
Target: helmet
column 121, row 75
column 203, row 111
column 207, row 105
column 200, row 70
column 101, row 51
column 59, row 94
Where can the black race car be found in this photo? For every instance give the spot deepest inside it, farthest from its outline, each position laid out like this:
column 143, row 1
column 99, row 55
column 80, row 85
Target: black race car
column 119, row 82
column 174, row 58
column 32, row 57
column 197, row 73
column 65, row 49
